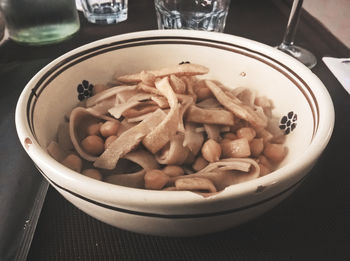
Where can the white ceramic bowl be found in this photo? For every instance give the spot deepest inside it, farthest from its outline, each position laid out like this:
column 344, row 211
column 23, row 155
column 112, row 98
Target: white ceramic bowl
column 234, row 61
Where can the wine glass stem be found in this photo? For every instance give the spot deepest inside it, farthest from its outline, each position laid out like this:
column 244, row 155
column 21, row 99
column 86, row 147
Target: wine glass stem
column 293, row 21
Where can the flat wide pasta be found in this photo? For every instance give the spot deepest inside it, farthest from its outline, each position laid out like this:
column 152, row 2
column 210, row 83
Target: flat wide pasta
column 182, row 131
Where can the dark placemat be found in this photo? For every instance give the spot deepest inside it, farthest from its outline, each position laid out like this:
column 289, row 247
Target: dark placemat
column 297, row 229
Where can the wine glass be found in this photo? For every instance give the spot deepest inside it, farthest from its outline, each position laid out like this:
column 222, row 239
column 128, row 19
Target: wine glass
column 287, row 45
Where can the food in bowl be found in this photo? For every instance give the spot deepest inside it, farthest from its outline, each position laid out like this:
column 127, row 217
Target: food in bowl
column 298, row 97
column 184, row 131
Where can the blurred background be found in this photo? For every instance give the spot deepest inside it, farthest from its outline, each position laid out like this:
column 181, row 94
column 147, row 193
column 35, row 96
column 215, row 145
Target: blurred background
column 334, row 15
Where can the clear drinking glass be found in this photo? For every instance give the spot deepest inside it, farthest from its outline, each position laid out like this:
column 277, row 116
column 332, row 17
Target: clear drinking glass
column 287, row 45
column 105, row 11
column 208, row 15
column 2, row 26
column 39, row 22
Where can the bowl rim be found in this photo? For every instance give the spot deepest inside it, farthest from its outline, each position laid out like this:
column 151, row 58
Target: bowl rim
column 77, row 183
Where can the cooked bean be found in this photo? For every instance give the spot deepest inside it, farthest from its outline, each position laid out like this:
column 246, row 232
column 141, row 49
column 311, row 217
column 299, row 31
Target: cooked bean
column 230, row 136
column 275, row 152
column 202, row 91
column 109, row 128
column 190, row 158
column 249, row 134
column 246, row 132
column 200, row 163
column 256, row 146
column 73, row 162
column 169, row 189
column 94, row 129
column 238, row 148
column 279, row 139
column 109, row 140
column 56, row 151
column 173, row 171
column 266, row 135
column 156, row 179
column 211, row 150
column 93, row 145
column 239, row 123
column 63, row 137
column 264, row 161
column 264, row 170
column 92, row 173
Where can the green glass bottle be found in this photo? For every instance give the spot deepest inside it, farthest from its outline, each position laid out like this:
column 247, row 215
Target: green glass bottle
column 39, row 22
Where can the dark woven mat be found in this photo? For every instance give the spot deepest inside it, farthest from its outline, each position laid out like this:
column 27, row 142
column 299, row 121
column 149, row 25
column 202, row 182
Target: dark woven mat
column 298, row 229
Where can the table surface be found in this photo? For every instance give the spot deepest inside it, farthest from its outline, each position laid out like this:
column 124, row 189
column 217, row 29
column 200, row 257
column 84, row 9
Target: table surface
column 312, row 224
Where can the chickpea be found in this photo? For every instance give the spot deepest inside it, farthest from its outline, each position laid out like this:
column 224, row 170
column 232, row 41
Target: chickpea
column 230, row 136
column 92, row 173
column 199, row 164
column 267, row 136
column 275, row 152
column 280, row 139
column 211, row 150
column 173, row 171
column 264, row 170
column 93, row 145
column 56, row 151
column 169, row 189
column 190, row 158
column 256, row 146
column 246, row 132
column 156, row 179
column 94, row 129
column 109, row 128
column 264, row 161
column 73, row 162
column 238, row 124
column 203, row 93
column 109, row 140
column 238, row 148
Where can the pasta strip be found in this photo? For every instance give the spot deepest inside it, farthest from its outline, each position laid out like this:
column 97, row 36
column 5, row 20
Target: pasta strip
column 193, row 140
column 128, row 140
column 209, row 116
column 178, row 70
column 175, row 153
column 195, row 184
column 236, row 106
column 227, row 172
column 195, row 133
column 108, row 93
column 162, row 133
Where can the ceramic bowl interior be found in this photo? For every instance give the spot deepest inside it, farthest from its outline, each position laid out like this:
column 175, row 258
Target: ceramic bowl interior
column 298, row 95
column 235, row 67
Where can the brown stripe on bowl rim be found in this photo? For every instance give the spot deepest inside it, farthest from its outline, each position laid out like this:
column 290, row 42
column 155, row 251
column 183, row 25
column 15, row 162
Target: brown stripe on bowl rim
column 83, row 55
